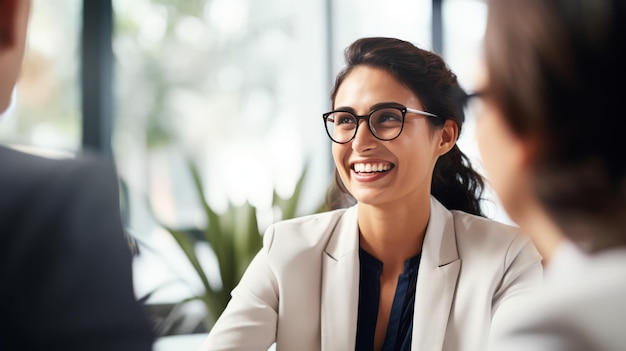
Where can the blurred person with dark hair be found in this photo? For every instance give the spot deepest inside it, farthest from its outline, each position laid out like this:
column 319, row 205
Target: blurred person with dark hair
column 550, row 130
column 412, row 265
column 65, row 266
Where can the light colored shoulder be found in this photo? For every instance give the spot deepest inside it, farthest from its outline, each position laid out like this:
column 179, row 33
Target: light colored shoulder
column 593, row 297
column 491, row 241
column 306, row 231
column 583, row 314
column 484, row 230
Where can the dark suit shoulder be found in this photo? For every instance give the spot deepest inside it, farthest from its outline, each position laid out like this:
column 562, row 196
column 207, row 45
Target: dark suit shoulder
column 41, row 196
column 65, row 257
column 26, row 176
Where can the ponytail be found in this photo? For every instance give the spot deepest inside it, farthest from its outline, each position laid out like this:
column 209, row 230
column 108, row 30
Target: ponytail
column 456, row 184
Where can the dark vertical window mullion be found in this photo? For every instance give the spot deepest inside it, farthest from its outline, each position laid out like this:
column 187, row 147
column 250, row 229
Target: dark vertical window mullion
column 330, row 47
column 97, row 76
column 330, row 44
column 437, row 26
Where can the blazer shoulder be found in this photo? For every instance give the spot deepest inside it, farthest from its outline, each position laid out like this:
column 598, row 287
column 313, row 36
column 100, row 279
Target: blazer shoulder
column 306, row 232
column 484, row 235
column 476, row 226
column 309, row 228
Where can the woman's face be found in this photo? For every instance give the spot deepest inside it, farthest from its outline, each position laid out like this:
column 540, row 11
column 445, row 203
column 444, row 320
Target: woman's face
column 405, row 164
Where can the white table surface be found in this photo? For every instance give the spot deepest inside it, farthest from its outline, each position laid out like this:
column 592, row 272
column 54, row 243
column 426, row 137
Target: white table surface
column 191, row 342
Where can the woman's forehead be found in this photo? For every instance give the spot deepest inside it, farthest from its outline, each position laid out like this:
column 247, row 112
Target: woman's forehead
column 366, row 86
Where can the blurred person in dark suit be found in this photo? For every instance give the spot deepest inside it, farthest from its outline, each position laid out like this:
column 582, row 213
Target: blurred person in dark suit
column 65, row 266
column 551, row 133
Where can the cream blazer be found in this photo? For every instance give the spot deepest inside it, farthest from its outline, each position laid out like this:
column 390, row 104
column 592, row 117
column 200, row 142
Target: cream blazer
column 301, row 291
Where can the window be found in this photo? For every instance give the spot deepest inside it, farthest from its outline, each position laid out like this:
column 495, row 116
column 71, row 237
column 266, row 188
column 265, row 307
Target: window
column 237, row 85
column 48, row 117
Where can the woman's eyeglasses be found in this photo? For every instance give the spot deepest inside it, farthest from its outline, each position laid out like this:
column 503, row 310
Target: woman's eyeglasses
column 385, row 122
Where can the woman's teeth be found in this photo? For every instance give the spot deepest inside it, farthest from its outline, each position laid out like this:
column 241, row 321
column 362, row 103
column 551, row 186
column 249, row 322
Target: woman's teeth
column 371, row 167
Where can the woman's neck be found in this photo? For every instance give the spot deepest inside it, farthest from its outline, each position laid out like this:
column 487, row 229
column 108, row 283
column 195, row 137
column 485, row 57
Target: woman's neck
column 393, row 233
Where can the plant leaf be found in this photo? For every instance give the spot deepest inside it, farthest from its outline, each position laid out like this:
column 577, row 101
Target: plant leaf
column 188, row 247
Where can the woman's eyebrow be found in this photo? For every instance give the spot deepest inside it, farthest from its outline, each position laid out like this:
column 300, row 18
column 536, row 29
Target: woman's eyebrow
column 385, row 104
column 345, row 109
column 373, row 107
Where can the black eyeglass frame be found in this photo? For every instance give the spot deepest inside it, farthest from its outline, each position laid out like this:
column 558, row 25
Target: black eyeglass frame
column 403, row 110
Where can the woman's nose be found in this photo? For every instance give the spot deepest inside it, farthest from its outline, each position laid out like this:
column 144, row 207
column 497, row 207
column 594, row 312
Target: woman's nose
column 364, row 139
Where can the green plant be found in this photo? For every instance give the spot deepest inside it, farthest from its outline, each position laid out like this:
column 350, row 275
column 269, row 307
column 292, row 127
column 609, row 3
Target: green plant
column 234, row 237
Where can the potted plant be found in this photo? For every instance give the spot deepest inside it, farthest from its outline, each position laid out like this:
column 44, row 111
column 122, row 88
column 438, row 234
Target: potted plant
column 235, row 238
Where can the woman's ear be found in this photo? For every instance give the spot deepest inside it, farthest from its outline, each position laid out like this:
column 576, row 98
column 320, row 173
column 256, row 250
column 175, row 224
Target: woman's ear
column 449, row 133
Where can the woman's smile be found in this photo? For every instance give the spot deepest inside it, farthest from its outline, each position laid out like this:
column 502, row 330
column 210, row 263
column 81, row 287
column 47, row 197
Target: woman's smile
column 371, row 167
column 368, row 171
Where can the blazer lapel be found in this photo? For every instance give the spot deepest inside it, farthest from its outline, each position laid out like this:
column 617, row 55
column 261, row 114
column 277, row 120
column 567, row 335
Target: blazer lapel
column 340, row 285
column 436, row 281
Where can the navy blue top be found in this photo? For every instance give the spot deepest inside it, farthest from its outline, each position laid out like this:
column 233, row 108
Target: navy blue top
column 400, row 326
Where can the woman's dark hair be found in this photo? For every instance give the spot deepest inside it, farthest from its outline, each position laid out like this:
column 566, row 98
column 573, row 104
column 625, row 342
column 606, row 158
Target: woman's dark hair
column 455, row 183
column 556, row 70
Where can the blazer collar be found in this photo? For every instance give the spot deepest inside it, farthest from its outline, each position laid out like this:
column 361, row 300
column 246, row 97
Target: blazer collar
column 436, row 280
column 345, row 237
column 439, row 246
column 340, row 285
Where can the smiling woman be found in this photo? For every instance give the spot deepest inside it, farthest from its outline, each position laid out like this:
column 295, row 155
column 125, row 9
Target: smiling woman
column 385, row 274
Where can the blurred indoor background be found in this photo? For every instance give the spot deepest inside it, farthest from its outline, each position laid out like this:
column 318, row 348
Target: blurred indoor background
column 235, row 86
